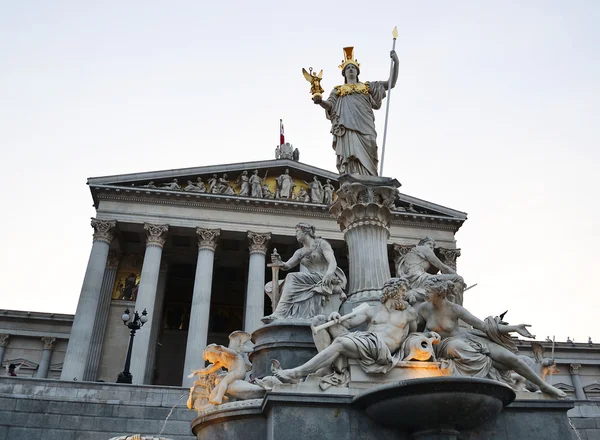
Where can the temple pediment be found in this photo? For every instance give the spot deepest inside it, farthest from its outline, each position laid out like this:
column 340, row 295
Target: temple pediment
column 280, row 181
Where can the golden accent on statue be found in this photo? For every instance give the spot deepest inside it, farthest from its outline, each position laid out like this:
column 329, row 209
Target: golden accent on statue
column 315, row 82
column 349, row 89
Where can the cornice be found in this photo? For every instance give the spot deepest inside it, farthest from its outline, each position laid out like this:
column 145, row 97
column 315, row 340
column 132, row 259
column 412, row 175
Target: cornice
column 267, row 206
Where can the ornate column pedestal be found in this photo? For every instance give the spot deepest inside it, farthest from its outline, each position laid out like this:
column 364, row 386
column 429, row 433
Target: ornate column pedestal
column 254, row 308
column 156, row 236
column 363, row 211
column 46, row 357
column 78, row 349
column 200, row 312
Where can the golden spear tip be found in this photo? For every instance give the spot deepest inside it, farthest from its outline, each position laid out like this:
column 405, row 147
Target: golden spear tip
column 395, row 32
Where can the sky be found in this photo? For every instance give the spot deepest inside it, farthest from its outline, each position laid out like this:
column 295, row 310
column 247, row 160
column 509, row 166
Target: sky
column 495, row 113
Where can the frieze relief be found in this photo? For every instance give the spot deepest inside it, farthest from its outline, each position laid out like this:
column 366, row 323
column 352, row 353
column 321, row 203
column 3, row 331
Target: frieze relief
column 253, row 185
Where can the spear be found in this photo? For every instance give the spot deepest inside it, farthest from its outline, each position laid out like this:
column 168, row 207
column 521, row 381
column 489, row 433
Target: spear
column 389, row 97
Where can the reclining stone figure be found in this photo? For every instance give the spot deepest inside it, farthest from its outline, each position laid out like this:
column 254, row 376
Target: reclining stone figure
column 485, row 350
column 388, row 326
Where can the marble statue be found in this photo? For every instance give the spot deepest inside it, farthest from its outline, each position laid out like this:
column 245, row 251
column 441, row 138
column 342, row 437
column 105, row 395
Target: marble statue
column 195, row 187
column 174, row 185
column 350, row 108
column 256, row 185
column 200, row 185
column 328, row 190
column 389, row 323
column 486, row 350
column 316, row 190
column 418, row 265
column 244, row 182
column 215, row 384
column 149, row 185
column 212, row 184
column 285, row 186
column 303, row 196
column 303, row 293
column 220, row 185
column 540, row 364
column 266, row 192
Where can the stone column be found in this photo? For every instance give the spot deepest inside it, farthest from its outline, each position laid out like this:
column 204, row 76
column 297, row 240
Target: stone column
column 574, row 371
column 156, row 236
column 46, row 357
column 363, row 212
column 155, row 323
column 78, row 349
column 108, row 284
column 254, row 309
column 3, row 344
column 200, row 312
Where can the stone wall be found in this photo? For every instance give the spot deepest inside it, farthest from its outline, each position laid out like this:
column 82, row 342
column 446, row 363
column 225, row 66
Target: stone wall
column 586, row 419
column 35, row 409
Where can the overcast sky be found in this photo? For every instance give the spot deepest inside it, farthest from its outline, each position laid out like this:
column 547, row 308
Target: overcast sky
column 495, row 113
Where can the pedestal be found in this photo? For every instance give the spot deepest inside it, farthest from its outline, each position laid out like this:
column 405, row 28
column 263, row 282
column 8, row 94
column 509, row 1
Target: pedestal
column 363, row 211
column 288, row 341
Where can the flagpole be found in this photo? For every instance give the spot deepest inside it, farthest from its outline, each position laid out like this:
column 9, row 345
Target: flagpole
column 387, row 106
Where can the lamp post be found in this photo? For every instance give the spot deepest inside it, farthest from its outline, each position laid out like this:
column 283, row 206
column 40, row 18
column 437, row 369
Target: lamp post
column 135, row 324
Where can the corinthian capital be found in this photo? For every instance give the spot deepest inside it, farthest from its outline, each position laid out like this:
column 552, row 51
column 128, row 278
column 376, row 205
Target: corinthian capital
column 104, row 230
column 400, row 250
column 156, row 235
column 208, row 238
column 574, row 368
column 4, row 340
column 48, row 343
column 448, row 256
column 258, row 242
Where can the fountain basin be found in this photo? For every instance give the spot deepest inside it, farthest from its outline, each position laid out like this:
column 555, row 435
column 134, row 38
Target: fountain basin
column 440, row 404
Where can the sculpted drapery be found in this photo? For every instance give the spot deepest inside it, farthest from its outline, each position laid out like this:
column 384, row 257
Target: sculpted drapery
column 353, row 126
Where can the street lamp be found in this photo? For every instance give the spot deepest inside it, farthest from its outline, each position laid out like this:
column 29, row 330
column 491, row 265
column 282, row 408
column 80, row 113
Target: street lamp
column 135, row 324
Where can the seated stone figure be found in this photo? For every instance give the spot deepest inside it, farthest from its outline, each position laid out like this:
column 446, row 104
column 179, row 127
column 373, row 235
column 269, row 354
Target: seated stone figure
column 421, row 264
column 485, row 350
column 303, row 294
column 388, row 326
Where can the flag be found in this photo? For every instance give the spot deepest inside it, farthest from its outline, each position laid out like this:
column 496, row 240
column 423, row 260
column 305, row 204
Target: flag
column 281, row 136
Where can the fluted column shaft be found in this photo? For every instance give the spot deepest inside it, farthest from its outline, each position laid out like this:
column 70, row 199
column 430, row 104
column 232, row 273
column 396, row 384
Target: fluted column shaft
column 156, row 236
column 254, row 309
column 46, row 357
column 574, row 371
column 200, row 311
column 367, row 250
column 78, row 349
column 3, row 344
column 155, row 323
column 108, row 283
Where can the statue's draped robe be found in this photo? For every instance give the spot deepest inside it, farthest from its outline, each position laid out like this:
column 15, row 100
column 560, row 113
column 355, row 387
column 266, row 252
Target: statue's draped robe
column 374, row 354
column 303, row 293
column 353, row 129
column 467, row 354
column 255, row 182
